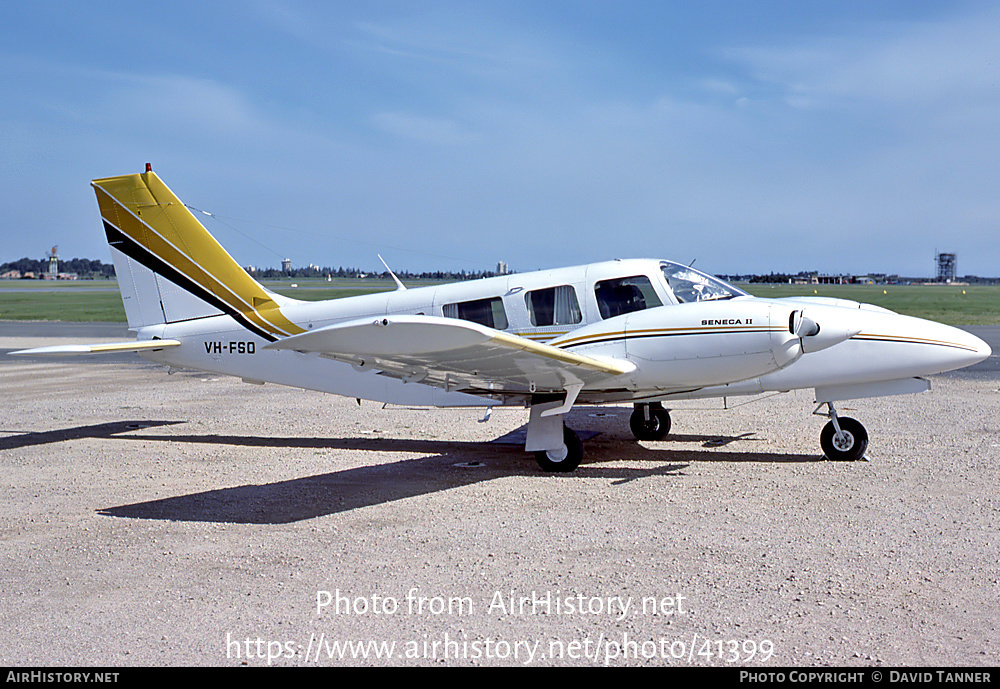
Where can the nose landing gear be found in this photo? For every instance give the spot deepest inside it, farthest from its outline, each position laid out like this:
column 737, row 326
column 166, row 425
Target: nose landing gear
column 842, row 439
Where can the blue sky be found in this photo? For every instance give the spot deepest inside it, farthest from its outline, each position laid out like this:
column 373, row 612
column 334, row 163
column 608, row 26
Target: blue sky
column 751, row 137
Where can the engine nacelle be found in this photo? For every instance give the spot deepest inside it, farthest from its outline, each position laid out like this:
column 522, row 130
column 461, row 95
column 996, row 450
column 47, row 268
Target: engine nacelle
column 695, row 345
column 838, row 324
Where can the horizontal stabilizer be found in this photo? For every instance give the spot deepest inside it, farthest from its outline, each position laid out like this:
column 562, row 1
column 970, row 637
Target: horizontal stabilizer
column 64, row 350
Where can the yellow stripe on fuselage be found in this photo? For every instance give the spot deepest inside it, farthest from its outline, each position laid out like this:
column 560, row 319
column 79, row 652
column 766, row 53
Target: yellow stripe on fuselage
column 652, row 332
column 872, row 337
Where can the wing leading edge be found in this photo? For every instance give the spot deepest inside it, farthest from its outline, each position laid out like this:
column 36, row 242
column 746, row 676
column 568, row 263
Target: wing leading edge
column 454, row 355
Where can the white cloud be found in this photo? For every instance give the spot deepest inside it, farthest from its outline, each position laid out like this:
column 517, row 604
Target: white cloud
column 886, row 64
column 181, row 103
column 425, row 129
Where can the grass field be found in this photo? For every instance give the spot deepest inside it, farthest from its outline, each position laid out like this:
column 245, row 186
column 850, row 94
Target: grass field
column 99, row 300
column 69, row 305
column 951, row 304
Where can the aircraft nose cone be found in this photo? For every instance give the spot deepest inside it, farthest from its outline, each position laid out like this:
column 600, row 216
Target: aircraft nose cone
column 982, row 350
column 911, row 346
column 959, row 348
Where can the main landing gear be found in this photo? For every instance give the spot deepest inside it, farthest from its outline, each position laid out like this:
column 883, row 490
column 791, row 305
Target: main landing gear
column 556, row 447
column 649, row 421
column 559, row 449
column 842, row 439
column 565, row 458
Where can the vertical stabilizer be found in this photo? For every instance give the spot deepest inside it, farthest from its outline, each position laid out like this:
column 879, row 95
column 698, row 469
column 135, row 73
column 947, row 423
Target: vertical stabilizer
column 171, row 269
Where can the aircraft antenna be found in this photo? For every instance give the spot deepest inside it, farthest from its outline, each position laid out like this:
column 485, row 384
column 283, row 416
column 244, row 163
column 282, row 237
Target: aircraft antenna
column 399, row 284
column 217, row 219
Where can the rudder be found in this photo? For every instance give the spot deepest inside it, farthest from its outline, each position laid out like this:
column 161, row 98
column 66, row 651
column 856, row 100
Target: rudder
column 171, row 269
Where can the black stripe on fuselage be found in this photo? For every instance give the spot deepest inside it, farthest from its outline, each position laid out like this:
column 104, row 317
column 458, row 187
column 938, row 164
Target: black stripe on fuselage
column 125, row 244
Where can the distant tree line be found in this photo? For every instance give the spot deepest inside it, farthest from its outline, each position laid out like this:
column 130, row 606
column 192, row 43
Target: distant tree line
column 777, row 277
column 81, row 267
column 86, row 268
column 341, row 272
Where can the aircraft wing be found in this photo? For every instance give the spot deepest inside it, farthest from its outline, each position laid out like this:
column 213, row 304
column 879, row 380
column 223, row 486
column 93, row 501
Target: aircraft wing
column 454, row 354
column 64, row 350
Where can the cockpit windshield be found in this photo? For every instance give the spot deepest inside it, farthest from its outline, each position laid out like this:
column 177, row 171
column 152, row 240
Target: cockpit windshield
column 690, row 285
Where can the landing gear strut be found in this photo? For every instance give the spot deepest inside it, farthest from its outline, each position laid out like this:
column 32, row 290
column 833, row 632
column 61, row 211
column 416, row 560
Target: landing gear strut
column 649, row 421
column 842, row 439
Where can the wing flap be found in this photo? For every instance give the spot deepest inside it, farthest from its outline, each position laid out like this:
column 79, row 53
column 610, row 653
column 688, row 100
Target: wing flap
column 105, row 348
column 453, row 354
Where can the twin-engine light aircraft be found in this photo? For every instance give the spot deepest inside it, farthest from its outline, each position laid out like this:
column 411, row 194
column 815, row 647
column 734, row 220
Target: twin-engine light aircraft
column 639, row 331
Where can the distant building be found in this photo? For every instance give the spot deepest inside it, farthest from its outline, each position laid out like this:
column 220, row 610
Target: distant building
column 502, row 268
column 834, row 279
column 53, row 258
column 286, row 265
column 947, row 267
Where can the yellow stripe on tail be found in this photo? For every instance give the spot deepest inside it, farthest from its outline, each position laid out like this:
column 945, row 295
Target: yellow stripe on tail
column 149, row 225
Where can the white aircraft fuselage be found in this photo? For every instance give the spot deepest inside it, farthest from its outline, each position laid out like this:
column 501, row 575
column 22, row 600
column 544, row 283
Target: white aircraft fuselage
column 740, row 345
column 640, row 330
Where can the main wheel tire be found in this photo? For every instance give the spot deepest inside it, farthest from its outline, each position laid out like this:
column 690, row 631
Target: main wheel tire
column 656, row 427
column 851, row 447
column 565, row 458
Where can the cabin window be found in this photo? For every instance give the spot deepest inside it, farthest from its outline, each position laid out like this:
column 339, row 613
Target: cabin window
column 488, row 312
column 625, row 295
column 553, row 306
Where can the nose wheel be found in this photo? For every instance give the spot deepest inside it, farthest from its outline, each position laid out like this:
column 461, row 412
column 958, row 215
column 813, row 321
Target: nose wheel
column 843, row 439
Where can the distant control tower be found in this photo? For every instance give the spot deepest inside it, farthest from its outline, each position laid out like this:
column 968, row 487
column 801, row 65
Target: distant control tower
column 947, row 265
column 53, row 257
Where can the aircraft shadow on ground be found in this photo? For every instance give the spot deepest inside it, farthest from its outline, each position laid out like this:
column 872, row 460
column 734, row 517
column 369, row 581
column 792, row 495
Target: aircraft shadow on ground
column 102, row 430
column 447, row 465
